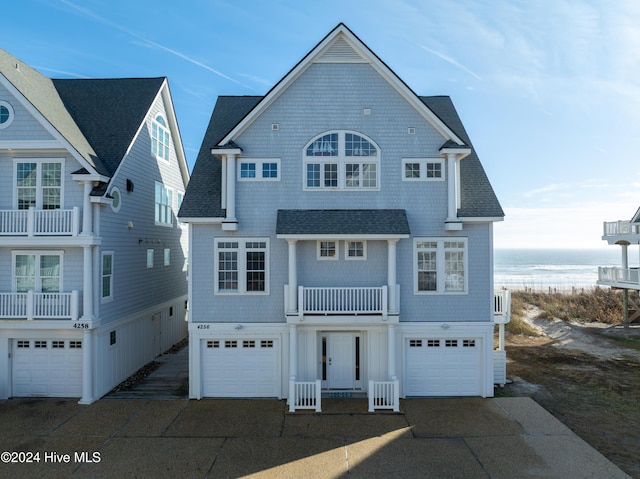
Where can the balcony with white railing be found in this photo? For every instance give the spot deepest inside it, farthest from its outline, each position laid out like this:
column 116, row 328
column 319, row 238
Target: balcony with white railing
column 626, row 278
column 342, row 301
column 621, row 230
column 30, row 305
column 34, row 222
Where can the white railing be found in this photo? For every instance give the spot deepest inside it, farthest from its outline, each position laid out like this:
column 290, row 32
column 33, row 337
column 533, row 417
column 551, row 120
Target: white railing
column 618, row 275
column 621, row 227
column 502, row 306
column 305, row 395
column 32, row 305
column 34, row 222
column 343, row 300
column 384, row 395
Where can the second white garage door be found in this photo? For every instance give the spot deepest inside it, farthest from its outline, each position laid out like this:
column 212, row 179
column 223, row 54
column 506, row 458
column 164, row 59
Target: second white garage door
column 442, row 367
column 240, row 368
column 46, row 368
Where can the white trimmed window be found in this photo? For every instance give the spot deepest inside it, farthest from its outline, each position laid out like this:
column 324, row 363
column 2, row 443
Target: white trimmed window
column 38, row 184
column 355, row 250
column 150, row 258
column 37, row 271
column 327, row 250
column 116, row 199
column 107, row 277
column 167, row 256
column 163, row 202
column 341, row 160
column 440, row 265
column 250, row 169
column 6, row 114
column 160, row 138
column 242, row 266
column 423, row 169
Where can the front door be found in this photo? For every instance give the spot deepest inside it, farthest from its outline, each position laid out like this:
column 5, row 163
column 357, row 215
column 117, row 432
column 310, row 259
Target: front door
column 341, row 360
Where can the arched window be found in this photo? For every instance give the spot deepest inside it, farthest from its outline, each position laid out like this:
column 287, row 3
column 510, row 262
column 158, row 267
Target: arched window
column 341, row 160
column 160, row 138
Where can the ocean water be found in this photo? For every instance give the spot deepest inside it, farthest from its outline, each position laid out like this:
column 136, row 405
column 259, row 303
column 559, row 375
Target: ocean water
column 562, row 269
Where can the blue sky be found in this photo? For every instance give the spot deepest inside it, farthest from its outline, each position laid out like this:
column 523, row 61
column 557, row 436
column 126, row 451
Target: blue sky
column 549, row 91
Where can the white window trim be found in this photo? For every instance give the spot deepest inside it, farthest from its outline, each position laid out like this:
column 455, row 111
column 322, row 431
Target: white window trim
column 38, row 186
column 165, row 129
column 150, row 254
column 116, row 208
column 106, row 299
column 37, row 253
column 170, row 207
column 355, row 258
column 242, row 266
column 259, row 162
column 167, row 256
column 423, row 168
column 440, row 265
column 328, row 258
column 341, row 160
column 12, row 115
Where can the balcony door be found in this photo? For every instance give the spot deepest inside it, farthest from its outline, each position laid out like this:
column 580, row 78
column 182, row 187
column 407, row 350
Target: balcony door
column 341, row 358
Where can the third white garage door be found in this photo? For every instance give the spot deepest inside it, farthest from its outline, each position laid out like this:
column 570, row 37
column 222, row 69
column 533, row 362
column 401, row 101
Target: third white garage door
column 240, row 368
column 442, row 367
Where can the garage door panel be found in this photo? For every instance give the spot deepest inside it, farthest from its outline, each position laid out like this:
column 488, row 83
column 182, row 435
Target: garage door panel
column 46, row 368
column 442, row 367
column 240, row 368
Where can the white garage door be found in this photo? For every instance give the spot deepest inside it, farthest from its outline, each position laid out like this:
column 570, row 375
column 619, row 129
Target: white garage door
column 240, row 368
column 46, row 367
column 442, row 367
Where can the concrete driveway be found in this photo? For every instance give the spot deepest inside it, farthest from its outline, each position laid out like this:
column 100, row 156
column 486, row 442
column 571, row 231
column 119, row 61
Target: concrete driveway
column 440, row 438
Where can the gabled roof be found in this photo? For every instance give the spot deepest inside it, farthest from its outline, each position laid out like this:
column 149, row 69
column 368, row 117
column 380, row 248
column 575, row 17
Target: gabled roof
column 109, row 112
column 342, row 45
column 355, row 223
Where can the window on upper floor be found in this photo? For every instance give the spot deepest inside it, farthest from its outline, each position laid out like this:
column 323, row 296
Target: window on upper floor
column 423, row 169
column 37, row 271
column 355, row 250
column 242, row 266
column 38, row 184
column 440, row 265
column 6, row 114
column 341, row 160
column 160, row 138
column 163, row 205
column 328, row 250
column 107, row 276
column 250, row 169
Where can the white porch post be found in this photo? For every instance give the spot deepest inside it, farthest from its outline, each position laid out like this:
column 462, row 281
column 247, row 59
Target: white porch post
column 87, row 284
column 293, row 277
column 391, row 274
column 87, row 367
column 391, row 351
column 625, row 256
column 230, row 220
column 452, row 175
column 87, row 220
column 293, row 352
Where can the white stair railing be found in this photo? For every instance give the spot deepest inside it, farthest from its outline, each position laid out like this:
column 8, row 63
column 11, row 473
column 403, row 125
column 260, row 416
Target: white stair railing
column 384, row 395
column 305, row 395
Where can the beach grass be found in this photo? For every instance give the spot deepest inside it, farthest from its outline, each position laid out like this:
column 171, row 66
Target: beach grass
column 602, row 305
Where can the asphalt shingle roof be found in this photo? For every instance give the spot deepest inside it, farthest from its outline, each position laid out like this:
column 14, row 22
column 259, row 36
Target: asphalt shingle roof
column 342, row 222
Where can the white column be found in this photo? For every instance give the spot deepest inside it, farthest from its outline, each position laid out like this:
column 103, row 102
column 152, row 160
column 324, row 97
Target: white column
column 293, row 352
column 87, row 284
column 452, row 183
column 293, row 277
column 231, row 188
column 391, row 273
column 87, row 220
column 625, row 256
column 87, row 367
column 391, row 351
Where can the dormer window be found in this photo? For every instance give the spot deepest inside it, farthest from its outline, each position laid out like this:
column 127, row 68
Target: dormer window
column 341, row 161
column 160, row 138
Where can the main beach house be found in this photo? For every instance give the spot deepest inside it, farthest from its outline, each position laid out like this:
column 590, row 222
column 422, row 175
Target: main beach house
column 92, row 259
column 341, row 240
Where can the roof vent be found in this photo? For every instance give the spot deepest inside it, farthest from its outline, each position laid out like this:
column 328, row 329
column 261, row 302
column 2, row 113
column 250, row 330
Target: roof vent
column 340, row 52
column 18, row 66
column 411, row 130
column 275, row 126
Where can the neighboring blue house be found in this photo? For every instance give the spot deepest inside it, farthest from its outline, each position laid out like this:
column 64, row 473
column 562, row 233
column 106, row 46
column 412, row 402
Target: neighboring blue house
column 92, row 258
column 341, row 240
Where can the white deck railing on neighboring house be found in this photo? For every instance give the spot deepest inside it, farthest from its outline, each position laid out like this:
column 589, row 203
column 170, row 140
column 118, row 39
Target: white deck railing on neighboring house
column 305, row 395
column 621, row 227
column 629, row 276
column 384, row 395
column 33, row 222
column 502, row 306
column 343, row 300
column 32, row 305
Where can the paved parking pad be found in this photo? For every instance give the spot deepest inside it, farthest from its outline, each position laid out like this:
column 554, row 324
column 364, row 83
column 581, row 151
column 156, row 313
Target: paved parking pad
column 461, row 437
